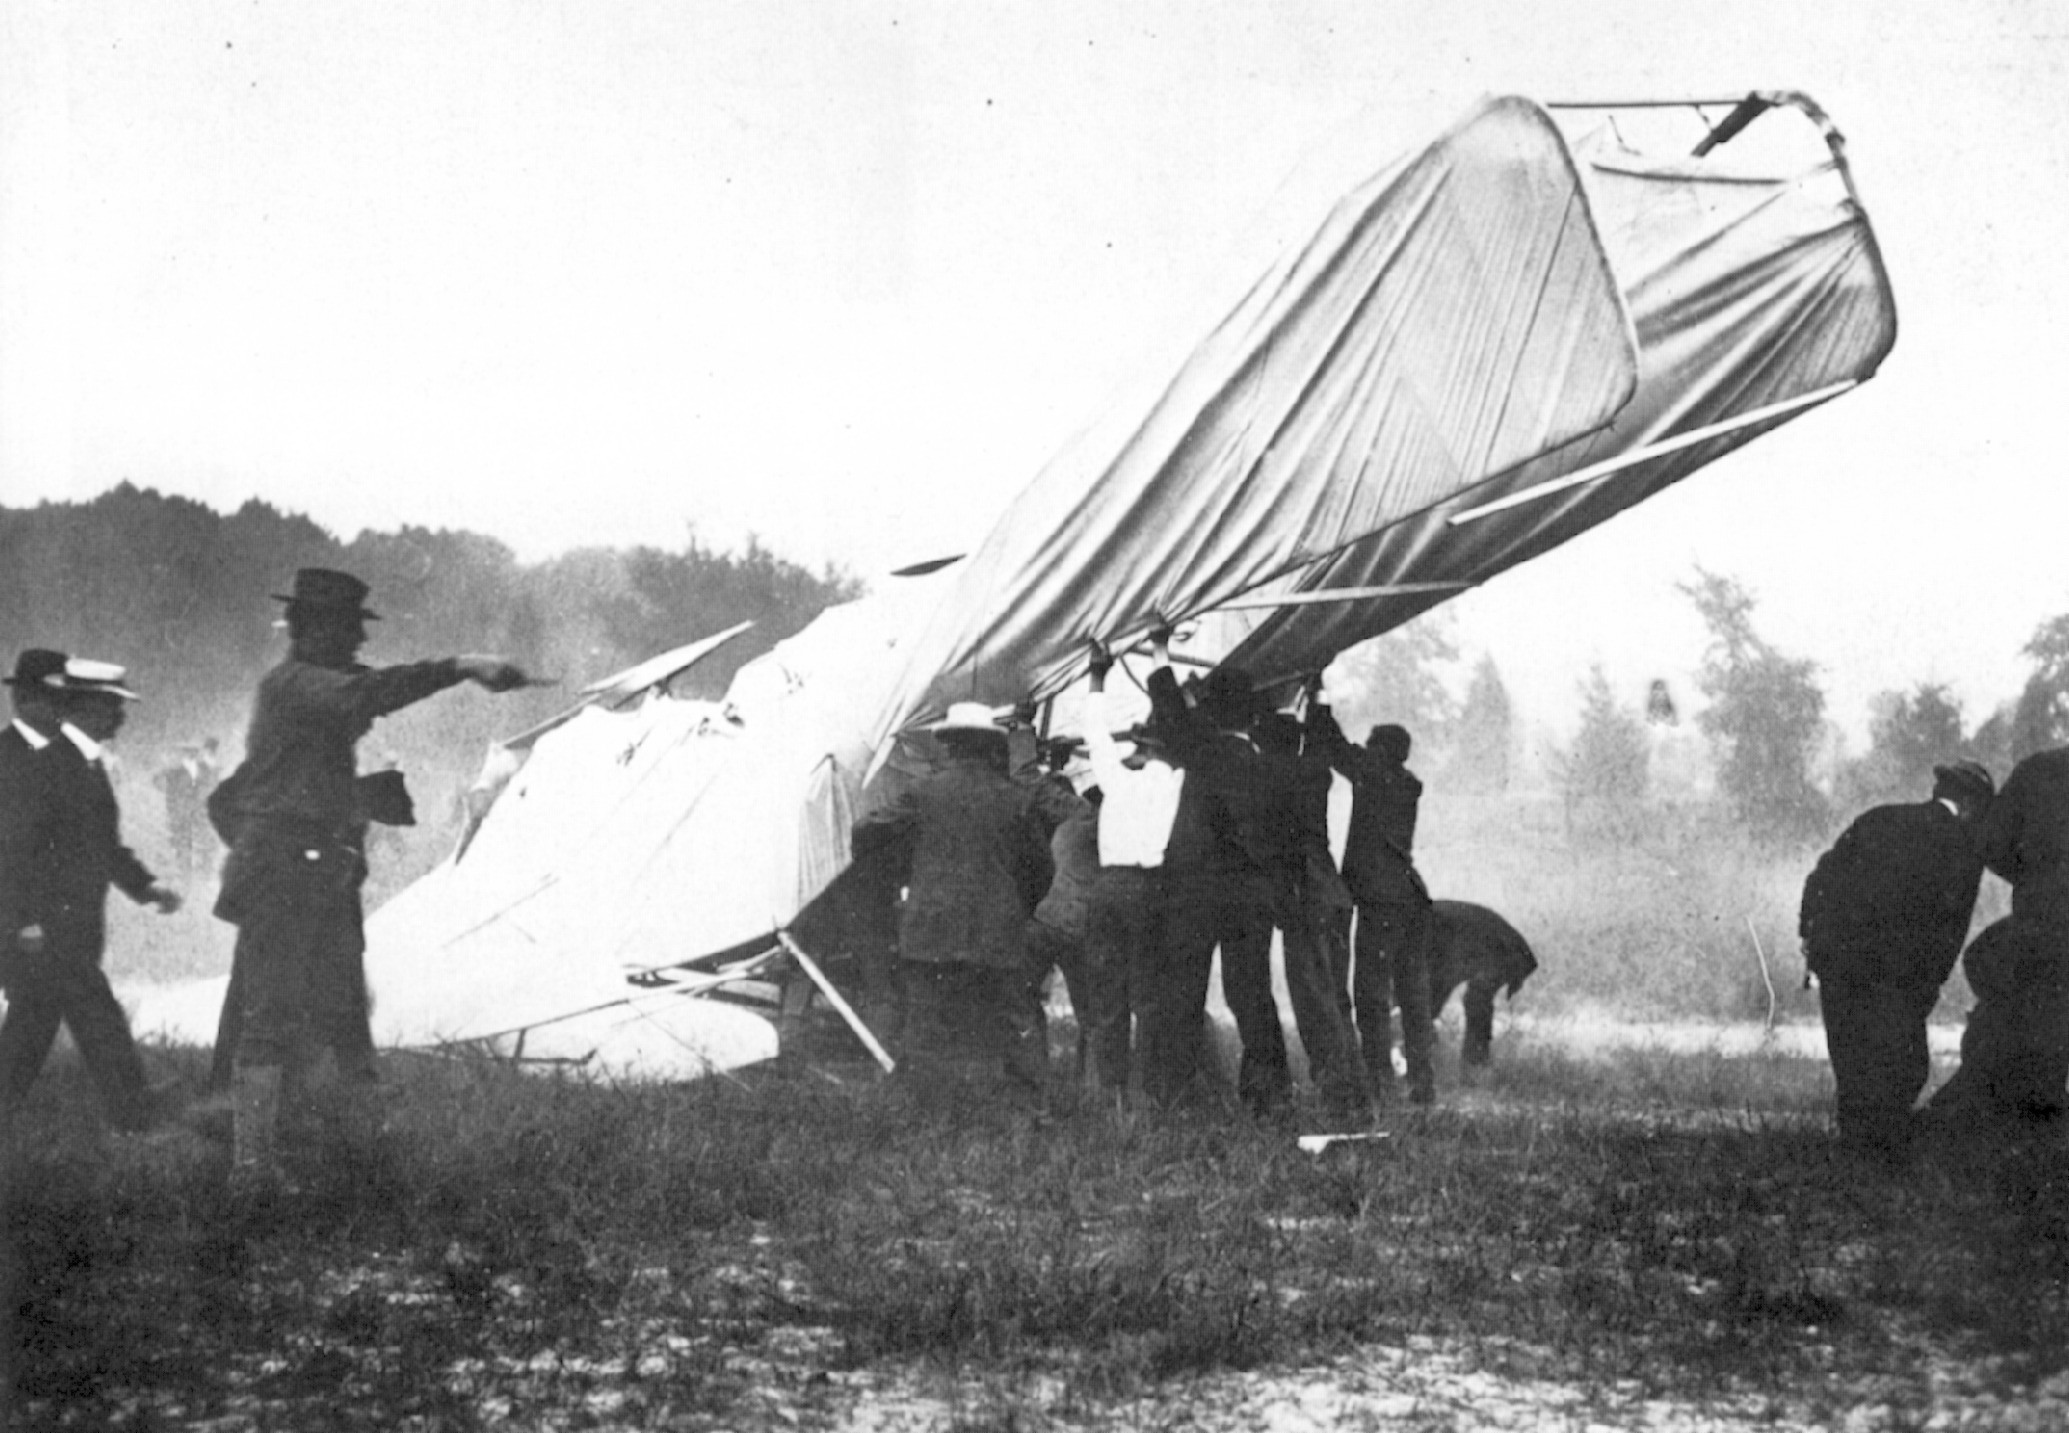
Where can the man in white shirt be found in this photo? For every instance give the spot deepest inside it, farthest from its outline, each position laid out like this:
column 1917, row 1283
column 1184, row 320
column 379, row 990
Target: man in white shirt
column 1137, row 797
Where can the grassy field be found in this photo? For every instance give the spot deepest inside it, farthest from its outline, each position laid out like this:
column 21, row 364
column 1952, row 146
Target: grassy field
column 493, row 1250
column 1594, row 1237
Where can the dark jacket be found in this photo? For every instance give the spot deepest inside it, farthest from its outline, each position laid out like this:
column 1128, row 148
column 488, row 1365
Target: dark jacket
column 1236, row 832
column 2025, row 836
column 60, row 847
column 1379, row 852
column 1891, row 901
column 23, row 860
column 299, row 765
column 980, row 861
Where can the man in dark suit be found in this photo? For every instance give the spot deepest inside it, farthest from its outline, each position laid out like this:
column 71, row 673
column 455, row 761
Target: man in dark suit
column 1312, row 911
column 2015, row 1049
column 1234, row 868
column 60, row 849
column 1884, row 915
column 1219, row 885
column 1395, row 930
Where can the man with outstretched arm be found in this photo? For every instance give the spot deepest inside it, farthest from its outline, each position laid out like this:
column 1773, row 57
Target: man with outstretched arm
column 297, row 813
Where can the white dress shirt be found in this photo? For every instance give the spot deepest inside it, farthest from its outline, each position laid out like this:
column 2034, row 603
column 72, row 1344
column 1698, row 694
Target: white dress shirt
column 1138, row 804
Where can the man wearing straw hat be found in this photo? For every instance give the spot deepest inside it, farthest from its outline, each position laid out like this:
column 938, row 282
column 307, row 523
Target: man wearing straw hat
column 60, row 849
column 979, row 862
column 296, row 814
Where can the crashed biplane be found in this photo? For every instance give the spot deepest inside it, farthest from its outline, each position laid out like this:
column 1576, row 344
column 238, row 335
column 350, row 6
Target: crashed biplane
column 1463, row 359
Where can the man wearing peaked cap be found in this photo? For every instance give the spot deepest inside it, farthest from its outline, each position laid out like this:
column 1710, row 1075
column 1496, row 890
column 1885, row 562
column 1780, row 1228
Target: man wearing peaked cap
column 60, row 849
column 1883, row 918
column 295, row 814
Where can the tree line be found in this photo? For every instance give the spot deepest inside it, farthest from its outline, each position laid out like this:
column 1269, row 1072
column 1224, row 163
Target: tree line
column 1781, row 773
column 182, row 595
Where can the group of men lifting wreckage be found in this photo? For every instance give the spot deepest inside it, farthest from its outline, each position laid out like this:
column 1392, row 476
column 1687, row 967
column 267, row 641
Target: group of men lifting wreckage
column 1210, row 832
column 1467, row 357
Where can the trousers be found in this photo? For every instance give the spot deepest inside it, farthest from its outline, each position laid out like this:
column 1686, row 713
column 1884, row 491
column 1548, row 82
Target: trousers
column 68, row 987
column 1393, row 949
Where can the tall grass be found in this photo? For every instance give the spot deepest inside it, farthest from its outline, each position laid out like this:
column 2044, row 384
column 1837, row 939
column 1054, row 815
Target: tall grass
column 492, row 1247
column 1677, row 1224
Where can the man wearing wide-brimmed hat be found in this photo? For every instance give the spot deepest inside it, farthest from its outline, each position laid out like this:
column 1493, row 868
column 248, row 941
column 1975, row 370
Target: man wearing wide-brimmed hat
column 60, row 849
column 296, row 814
column 979, row 861
column 1883, row 918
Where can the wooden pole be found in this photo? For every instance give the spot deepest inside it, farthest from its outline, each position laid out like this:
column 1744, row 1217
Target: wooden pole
column 835, row 999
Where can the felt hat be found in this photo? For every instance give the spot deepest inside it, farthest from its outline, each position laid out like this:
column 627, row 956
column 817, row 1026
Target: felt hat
column 1965, row 778
column 38, row 667
column 326, row 589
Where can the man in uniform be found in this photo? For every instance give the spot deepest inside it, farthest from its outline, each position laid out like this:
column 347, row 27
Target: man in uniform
column 1884, row 915
column 297, row 819
column 60, row 849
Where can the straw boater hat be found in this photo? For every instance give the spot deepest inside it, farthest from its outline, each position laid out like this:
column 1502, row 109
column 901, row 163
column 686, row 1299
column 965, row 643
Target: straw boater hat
column 39, row 667
column 970, row 719
column 323, row 589
column 83, row 678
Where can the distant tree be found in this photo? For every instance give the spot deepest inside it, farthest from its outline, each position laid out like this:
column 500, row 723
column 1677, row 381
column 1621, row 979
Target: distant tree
column 1399, row 678
column 1484, row 737
column 1606, row 771
column 2041, row 717
column 1765, row 717
column 1908, row 734
column 1991, row 742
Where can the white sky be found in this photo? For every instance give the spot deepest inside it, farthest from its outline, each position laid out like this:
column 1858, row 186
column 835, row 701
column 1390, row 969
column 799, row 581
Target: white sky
column 844, row 275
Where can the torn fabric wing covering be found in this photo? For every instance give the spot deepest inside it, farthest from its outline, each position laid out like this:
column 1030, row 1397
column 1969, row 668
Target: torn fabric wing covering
column 1748, row 290
column 1450, row 317
column 1482, row 317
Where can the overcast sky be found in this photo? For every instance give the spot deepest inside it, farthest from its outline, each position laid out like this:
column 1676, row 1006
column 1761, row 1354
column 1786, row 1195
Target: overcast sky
column 843, row 275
